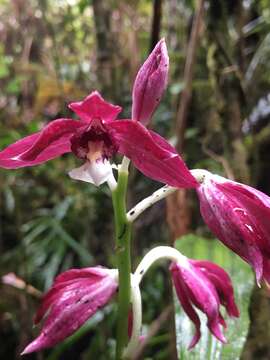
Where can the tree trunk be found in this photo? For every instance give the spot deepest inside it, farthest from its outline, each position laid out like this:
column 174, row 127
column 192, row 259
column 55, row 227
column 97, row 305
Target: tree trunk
column 178, row 213
column 156, row 23
column 104, row 41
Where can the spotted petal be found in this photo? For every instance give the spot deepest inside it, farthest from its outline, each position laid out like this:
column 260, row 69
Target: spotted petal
column 75, row 296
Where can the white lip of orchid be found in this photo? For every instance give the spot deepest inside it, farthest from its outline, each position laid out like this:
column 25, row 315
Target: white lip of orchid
column 96, row 172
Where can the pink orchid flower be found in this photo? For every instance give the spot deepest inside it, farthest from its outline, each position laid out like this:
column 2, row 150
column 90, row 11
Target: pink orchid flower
column 75, row 296
column 97, row 136
column 206, row 286
column 239, row 216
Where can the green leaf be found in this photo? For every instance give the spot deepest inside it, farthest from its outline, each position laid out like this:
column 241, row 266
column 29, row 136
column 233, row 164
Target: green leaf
column 72, row 243
column 242, row 277
column 4, row 70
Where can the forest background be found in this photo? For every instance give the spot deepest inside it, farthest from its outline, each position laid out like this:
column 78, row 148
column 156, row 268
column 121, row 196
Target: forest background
column 216, row 111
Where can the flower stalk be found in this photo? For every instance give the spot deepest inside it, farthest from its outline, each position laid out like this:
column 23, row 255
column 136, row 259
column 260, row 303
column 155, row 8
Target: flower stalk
column 122, row 242
column 136, row 318
column 158, row 195
column 158, row 253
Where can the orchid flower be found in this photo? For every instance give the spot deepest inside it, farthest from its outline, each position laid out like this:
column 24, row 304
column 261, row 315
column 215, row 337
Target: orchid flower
column 97, row 136
column 206, row 286
column 239, row 216
column 202, row 284
column 75, row 296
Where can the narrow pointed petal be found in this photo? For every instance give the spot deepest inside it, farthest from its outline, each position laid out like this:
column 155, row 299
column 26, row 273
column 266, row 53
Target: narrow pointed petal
column 96, row 172
column 193, row 287
column 202, row 292
column 183, row 297
column 216, row 330
column 150, row 83
column 222, row 283
column 70, row 303
column 95, row 107
column 42, row 146
column 150, row 155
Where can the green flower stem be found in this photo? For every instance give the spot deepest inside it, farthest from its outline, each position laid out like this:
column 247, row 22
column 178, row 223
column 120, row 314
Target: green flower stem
column 122, row 234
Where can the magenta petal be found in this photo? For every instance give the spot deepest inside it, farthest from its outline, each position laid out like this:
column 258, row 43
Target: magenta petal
column 183, row 297
column 73, row 299
column 42, row 146
column 215, row 212
column 69, row 277
column 222, row 282
column 239, row 216
column 256, row 208
column 198, row 290
column 150, row 155
column 95, row 107
column 150, row 83
column 266, row 270
column 91, row 274
column 215, row 329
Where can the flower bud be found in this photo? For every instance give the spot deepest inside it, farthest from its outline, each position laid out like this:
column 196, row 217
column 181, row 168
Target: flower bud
column 150, row 83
